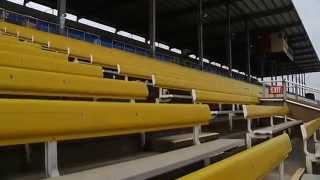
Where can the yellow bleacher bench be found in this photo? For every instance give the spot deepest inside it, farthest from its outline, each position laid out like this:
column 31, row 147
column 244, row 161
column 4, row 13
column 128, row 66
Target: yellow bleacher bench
column 36, row 121
column 163, row 74
column 45, row 120
column 222, row 98
column 30, row 49
column 309, row 131
column 17, row 60
column 253, row 112
column 252, row 164
column 17, row 81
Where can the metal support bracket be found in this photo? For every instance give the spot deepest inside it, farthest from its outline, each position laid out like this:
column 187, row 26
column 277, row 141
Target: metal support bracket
column 51, row 159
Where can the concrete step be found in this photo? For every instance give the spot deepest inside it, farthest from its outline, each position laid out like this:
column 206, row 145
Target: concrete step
column 172, row 142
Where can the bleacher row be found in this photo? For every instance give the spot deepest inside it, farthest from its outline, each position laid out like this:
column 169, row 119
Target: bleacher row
column 164, row 55
column 54, row 88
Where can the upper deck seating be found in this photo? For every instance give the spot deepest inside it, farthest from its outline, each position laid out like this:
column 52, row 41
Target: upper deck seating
column 252, row 112
column 309, row 131
column 163, row 74
column 252, row 164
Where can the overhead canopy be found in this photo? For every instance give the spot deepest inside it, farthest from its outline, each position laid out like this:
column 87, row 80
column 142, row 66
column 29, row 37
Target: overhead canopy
column 177, row 26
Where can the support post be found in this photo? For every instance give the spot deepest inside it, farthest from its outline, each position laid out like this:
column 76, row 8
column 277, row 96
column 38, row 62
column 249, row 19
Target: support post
column 196, row 134
column 281, row 171
column 200, row 34
column 288, row 84
column 143, row 140
column 62, row 10
column 292, row 85
column 262, row 67
column 248, row 50
column 51, row 159
column 229, row 40
column 296, row 86
column 152, row 27
column 231, row 117
column 28, row 153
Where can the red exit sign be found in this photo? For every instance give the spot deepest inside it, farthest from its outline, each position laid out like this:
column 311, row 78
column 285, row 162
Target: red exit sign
column 276, row 90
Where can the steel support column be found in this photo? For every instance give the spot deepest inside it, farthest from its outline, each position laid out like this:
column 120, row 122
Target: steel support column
column 62, row 10
column 248, row 50
column 299, row 82
column 200, row 34
column 292, row 80
column 152, row 27
column 229, row 40
column 297, row 90
column 262, row 67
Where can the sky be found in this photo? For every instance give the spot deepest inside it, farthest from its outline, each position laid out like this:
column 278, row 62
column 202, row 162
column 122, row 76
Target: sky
column 313, row 80
column 309, row 13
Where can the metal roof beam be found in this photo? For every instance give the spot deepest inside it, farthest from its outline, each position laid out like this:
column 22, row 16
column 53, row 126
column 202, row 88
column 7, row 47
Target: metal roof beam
column 248, row 16
column 193, row 9
column 298, row 39
column 308, row 52
column 255, row 15
column 305, row 58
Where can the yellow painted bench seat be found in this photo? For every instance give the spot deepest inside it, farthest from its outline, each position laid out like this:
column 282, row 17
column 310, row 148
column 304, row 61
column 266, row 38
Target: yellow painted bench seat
column 30, row 49
column 310, row 131
column 35, row 121
column 30, row 82
column 17, row 60
column 310, row 128
column 222, row 98
column 252, row 164
column 260, row 111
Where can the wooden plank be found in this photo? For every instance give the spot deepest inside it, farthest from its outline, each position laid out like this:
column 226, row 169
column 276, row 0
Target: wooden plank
column 155, row 165
column 277, row 128
column 310, row 177
column 185, row 137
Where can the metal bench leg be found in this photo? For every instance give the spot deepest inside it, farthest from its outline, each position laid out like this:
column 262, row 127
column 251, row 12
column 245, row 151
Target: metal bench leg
column 143, row 140
column 309, row 165
column 51, row 159
column 248, row 140
column 281, row 171
column 28, row 153
column 231, row 117
column 196, row 134
column 206, row 162
column 230, row 122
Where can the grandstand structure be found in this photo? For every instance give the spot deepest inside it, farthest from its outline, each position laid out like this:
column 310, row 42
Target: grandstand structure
column 170, row 89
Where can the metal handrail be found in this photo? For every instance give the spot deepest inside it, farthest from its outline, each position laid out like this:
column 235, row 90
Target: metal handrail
column 293, row 88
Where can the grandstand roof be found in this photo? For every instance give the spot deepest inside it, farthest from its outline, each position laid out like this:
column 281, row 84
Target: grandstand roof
column 177, row 26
